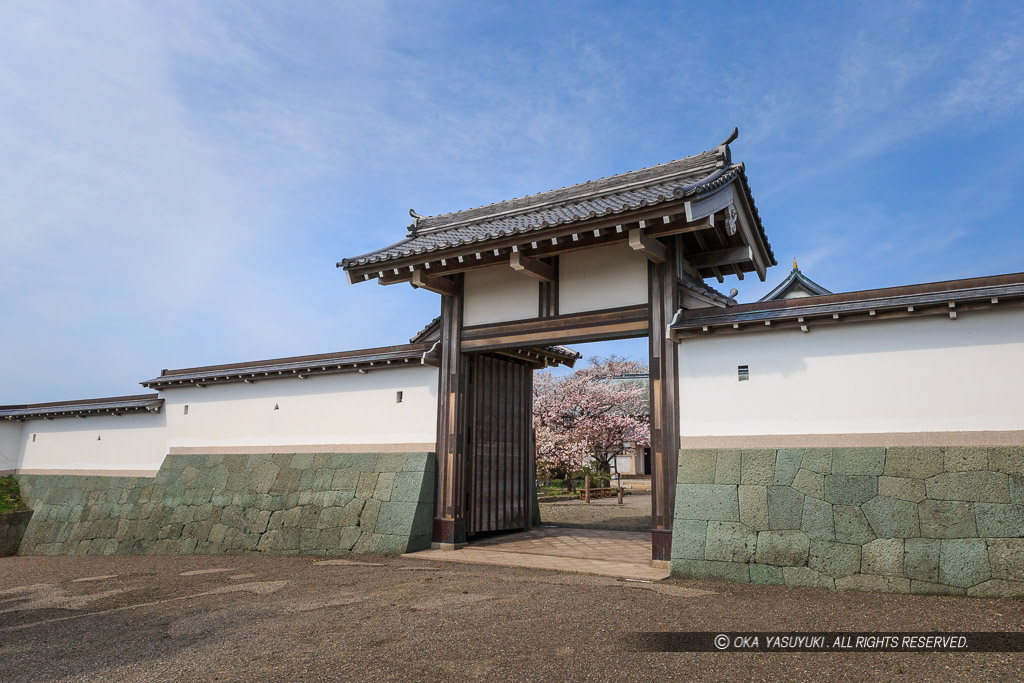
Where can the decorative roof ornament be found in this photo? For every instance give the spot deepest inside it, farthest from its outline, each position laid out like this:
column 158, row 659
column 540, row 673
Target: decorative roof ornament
column 795, row 286
column 415, row 222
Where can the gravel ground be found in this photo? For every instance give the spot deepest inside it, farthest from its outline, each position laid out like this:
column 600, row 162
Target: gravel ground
column 602, row 513
column 262, row 618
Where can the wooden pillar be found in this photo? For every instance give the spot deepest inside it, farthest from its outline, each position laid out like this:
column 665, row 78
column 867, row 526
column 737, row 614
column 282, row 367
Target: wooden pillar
column 663, row 298
column 450, row 493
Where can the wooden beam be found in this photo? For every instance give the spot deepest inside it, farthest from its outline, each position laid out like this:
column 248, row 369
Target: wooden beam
column 432, row 283
column 531, row 267
column 721, row 257
column 651, row 248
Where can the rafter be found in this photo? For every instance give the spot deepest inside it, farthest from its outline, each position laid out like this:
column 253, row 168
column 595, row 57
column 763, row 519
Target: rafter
column 431, row 283
column 651, row 248
column 531, row 267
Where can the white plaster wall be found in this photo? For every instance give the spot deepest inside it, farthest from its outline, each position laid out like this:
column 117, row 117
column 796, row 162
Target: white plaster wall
column 604, row 277
column 347, row 408
column 930, row 374
column 499, row 294
column 10, row 445
column 136, row 442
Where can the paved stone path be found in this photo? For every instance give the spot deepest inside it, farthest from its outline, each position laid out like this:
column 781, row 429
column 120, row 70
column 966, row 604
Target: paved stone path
column 622, row 554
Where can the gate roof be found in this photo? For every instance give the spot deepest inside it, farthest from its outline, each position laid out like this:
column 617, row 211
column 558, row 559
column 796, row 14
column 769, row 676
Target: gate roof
column 681, row 196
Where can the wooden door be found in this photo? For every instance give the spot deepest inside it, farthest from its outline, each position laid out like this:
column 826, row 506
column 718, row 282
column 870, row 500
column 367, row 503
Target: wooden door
column 499, row 446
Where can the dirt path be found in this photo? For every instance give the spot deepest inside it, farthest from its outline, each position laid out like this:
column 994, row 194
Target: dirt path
column 250, row 617
column 602, row 513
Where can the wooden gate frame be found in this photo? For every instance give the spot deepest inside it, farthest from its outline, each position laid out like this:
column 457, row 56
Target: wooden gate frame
column 457, row 341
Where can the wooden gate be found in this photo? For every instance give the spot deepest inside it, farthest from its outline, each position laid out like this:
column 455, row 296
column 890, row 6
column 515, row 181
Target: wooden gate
column 499, row 444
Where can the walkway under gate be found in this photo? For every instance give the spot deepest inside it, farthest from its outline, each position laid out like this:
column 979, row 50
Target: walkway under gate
column 622, row 554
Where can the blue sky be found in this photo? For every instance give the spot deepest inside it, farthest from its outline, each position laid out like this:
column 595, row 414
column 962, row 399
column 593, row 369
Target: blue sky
column 178, row 179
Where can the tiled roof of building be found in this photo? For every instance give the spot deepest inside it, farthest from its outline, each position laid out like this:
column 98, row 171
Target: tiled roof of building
column 296, row 366
column 704, row 289
column 951, row 298
column 83, row 408
column 795, row 280
column 647, row 187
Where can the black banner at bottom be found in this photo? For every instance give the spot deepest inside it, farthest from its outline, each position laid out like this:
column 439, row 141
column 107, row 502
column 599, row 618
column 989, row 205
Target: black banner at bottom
column 834, row 641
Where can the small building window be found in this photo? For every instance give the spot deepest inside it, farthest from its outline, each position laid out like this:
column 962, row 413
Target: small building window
column 398, row 397
column 33, row 438
column 186, row 409
column 743, row 372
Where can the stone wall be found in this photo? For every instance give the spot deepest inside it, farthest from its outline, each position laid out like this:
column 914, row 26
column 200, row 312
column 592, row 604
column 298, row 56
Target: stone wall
column 295, row 503
column 12, row 528
column 909, row 520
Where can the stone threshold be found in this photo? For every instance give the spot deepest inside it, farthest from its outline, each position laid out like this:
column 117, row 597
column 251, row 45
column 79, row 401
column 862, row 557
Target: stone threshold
column 470, row 555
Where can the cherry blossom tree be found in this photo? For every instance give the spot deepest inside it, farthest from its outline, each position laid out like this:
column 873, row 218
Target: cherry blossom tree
column 586, row 418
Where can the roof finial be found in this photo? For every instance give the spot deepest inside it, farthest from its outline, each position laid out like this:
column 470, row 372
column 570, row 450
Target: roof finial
column 732, row 137
column 794, row 263
column 415, row 218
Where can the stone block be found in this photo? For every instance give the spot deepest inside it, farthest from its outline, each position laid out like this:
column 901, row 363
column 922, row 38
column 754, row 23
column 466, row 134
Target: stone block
column 850, row 489
column 368, row 517
column 766, row 574
column 417, row 462
column 395, row 518
column 902, row 488
column 985, row 487
column 915, row 462
column 331, row 517
column 873, row 583
column 834, row 559
column 864, row 461
column 927, row 588
column 785, row 507
column 757, row 466
column 892, row 517
column 392, row 545
column 754, row 506
column 408, row 487
column 963, row 562
column 345, row 479
column 385, row 482
column 997, row 588
column 817, row 520
column 709, row 502
column 366, row 485
column 947, row 519
column 349, row 515
column 390, row 462
column 323, row 480
column 302, row 461
column 1000, row 520
column 817, row 460
column 347, row 539
column 707, row 569
column 287, row 481
column 810, row 484
column 366, row 544
column 965, row 458
column 787, row 463
column 883, row 556
column 1006, row 558
column 782, row 548
column 729, row 542
column 805, row 577
column 921, row 559
column 697, row 466
column 727, row 467
column 1007, row 459
column 688, row 539
column 1016, row 489
column 262, row 478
